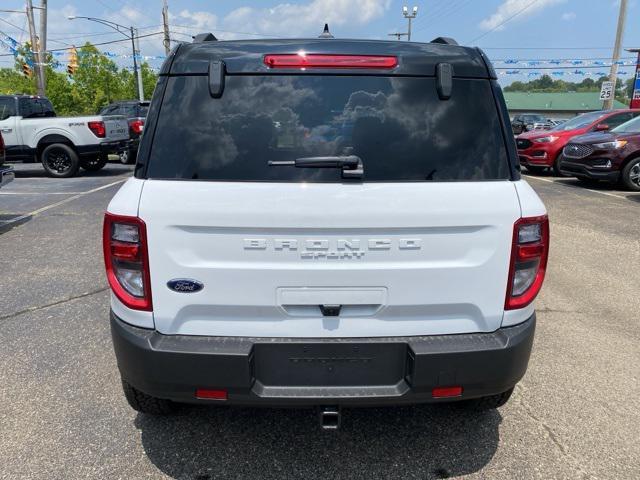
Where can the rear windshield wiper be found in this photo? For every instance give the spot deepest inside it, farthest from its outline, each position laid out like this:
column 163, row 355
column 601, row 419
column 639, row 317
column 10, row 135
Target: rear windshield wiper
column 351, row 165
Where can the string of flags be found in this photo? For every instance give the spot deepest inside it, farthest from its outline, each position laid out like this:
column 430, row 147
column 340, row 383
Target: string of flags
column 577, row 62
column 507, row 67
column 562, row 73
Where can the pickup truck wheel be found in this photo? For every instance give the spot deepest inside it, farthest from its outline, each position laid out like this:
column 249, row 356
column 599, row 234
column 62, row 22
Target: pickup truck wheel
column 60, row 160
column 144, row 403
column 126, row 157
column 93, row 164
column 488, row 403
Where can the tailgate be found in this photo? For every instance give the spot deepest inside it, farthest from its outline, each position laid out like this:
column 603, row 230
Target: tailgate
column 398, row 259
column 117, row 128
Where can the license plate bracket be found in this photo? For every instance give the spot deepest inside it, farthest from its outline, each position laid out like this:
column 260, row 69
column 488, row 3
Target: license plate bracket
column 330, row 364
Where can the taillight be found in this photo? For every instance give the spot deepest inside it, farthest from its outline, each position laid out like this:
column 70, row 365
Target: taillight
column 126, row 260
column 529, row 252
column 136, row 126
column 97, row 128
column 311, row 60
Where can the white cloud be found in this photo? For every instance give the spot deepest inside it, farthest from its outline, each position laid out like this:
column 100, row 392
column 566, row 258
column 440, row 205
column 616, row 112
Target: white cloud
column 509, row 8
column 286, row 19
column 197, row 20
column 568, row 16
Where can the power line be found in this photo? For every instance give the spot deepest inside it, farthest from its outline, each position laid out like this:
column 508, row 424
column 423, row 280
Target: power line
column 505, row 21
column 432, row 19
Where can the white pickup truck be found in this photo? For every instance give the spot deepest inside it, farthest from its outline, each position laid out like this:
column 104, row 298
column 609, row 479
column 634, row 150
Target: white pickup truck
column 33, row 133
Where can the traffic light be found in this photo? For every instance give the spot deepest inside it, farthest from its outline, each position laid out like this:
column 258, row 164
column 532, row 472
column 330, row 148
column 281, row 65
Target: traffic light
column 26, row 70
column 72, row 66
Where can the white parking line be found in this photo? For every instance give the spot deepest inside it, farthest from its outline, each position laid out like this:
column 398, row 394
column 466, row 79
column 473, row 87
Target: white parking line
column 57, row 204
column 41, row 193
column 548, row 180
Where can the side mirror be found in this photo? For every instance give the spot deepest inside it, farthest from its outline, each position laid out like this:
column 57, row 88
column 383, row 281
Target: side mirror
column 601, row 127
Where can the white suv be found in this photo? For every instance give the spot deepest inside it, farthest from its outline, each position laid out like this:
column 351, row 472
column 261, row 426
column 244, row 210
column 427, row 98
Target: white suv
column 324, row 222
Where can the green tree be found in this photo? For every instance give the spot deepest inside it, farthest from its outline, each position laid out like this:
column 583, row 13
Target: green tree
column 96, row 82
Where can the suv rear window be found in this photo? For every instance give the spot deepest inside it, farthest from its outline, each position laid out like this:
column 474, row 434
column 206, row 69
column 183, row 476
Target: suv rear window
column 398, row 126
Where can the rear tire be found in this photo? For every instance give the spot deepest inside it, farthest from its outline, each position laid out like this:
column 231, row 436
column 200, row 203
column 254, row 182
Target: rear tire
column 630, row 175
column 93, row 164
column 127, row 157
column 141, row 402
column 60, row 160
column 489, row 403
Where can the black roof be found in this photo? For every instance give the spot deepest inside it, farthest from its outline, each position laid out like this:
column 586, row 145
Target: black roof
column 246, row 56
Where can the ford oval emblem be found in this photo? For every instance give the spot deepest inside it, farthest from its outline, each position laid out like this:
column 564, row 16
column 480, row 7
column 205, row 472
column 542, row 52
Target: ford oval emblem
column 185, row 285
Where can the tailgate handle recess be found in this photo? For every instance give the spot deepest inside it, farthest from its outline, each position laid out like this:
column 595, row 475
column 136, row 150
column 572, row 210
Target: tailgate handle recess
column 330, row 310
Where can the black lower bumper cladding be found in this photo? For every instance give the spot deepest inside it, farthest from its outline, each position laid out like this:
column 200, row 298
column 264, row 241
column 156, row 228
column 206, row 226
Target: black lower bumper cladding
column 322, row 371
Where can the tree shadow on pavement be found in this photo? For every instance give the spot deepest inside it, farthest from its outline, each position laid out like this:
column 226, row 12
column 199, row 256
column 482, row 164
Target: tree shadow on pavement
column 427, row 441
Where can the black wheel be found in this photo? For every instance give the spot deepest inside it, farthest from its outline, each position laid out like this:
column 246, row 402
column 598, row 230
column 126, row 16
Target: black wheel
column 93, row 164
column 489, row 403
column 630, row 176
column 60, row 160
column 536, row 170
column 144, row 403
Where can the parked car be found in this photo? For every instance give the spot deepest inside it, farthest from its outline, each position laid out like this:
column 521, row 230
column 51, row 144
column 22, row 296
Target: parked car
column 539, row 151
column 612, row 156
column 6, row 172
column 529, row 121
column 255, row 259
column 33, row 133
column 136, row 113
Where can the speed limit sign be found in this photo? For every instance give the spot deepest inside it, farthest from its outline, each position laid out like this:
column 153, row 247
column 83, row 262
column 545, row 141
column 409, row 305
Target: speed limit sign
column 606, row 91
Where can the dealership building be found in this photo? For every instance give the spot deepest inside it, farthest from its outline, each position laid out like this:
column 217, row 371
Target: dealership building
column 555, row 105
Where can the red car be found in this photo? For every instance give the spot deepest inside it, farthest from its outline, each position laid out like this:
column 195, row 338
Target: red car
column 539, row 150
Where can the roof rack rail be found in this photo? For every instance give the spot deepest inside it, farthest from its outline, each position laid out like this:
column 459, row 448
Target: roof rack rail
column 205, row 37
column 445, row 41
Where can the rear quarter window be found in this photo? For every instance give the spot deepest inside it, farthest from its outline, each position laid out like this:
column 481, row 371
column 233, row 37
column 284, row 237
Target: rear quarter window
column 398, row 126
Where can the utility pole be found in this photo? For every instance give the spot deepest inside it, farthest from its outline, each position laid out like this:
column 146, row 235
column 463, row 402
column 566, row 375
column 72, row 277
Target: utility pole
column 409, row 17
column 43, row 43
column 139, row 73
column 165, row 21
column 613, row 75
column 34, row 47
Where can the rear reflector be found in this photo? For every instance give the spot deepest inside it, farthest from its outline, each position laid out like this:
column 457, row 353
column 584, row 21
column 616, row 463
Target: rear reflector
column 302, row 60
column 207, row 394
column 445, row 392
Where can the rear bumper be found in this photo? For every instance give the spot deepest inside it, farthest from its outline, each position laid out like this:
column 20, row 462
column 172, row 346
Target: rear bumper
column 575, row 169
column 328, row 371
column 104, row 148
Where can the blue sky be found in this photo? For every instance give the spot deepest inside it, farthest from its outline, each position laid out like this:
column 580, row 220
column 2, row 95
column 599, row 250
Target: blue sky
column 544, row 29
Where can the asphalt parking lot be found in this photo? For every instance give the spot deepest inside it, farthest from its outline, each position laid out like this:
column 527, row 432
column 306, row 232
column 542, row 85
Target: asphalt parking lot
column 62, row 414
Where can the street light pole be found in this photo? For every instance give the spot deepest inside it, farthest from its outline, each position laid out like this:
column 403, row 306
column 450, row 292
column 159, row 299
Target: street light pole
column 409, row 17
column 131, row 35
